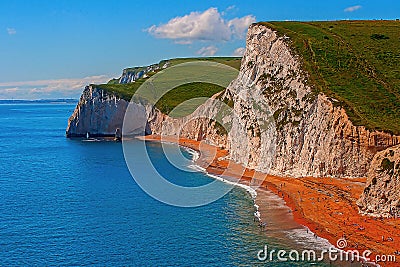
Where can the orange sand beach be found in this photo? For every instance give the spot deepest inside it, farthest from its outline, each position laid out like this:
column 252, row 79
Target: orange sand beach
column 327, row 206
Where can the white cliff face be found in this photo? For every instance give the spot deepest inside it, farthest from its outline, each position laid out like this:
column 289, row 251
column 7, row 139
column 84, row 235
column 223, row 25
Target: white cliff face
column 97, row 113
column 130, row 75
column 313, row 137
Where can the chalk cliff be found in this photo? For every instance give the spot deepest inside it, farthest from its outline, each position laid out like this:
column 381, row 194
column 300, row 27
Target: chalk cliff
column 130, row 75
column 97, row 113
column 311, row 135
column 280, row 124
column 314, row 137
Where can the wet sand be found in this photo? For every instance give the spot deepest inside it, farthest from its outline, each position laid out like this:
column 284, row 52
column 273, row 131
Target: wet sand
column 327, row 206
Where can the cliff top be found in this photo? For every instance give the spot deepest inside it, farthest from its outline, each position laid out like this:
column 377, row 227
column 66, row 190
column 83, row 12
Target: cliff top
column 355, row 62
column 176, row 96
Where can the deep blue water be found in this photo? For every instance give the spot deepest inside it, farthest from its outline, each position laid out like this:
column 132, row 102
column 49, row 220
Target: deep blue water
column 69, row 202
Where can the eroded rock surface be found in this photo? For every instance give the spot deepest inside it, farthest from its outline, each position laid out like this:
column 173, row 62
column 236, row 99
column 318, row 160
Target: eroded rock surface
column 381, row 196
column 97, row 113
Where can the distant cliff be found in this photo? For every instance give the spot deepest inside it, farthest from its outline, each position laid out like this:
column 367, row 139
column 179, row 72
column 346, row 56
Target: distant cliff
column 97, row 113
column 100, row 112
column 130, row 75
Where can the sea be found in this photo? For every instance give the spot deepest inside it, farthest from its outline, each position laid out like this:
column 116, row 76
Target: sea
column 70, row 202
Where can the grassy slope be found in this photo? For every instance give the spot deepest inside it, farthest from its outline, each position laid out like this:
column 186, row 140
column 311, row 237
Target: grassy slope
column 179, row 94
column 355, row 62
column 234, row 62
column 183, row 93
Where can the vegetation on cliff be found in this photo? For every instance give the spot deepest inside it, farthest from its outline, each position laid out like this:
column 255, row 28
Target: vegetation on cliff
column 354, row 62
column 183, row 93
column 178, row 95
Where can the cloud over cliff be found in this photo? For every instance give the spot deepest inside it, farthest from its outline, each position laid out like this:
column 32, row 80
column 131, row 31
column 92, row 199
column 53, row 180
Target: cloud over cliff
column 202, row 26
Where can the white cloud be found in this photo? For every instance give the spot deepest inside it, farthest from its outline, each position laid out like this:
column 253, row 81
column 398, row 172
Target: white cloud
column 183, row 42
column 239, row 52
column 352, row 8
column 207, row 51
column 11, row 90
column 229, row 8
column 239, row 25
column 58, row 88
column 204, row 26
column 11, row 31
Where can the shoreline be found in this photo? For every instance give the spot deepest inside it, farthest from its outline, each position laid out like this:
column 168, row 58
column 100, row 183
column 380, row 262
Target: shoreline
column 326, row 206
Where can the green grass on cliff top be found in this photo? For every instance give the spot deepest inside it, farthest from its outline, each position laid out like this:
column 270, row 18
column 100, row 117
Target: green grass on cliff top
column 181, row 93
column 355, row 62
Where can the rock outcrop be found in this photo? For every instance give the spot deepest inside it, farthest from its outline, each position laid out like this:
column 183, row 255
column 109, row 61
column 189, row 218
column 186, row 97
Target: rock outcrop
column 98, row 113
column 381, row 196
column 130, row 75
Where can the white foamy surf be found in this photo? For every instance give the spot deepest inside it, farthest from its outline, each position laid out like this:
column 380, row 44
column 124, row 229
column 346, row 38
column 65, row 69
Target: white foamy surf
column 253, row 193
column 194, row 153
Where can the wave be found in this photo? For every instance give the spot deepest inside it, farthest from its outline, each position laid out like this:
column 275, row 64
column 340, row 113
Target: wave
column 195, row 154
column 253, row 193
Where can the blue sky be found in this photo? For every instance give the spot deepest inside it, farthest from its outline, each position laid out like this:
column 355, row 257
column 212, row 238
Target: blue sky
column 51, row 49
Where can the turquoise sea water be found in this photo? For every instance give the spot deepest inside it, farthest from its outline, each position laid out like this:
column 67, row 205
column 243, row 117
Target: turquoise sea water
column 69, row 202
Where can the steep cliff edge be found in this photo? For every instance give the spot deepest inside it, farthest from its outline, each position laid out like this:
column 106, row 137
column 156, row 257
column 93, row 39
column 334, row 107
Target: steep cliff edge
column 98, row 113
column 314, row 136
